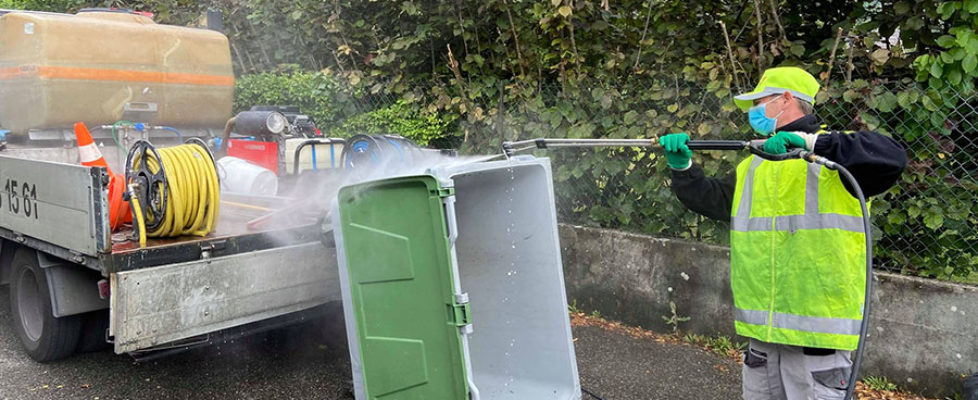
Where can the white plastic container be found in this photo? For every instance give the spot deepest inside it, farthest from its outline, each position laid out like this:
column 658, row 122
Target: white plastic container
column 240, row 176
column 320, row 153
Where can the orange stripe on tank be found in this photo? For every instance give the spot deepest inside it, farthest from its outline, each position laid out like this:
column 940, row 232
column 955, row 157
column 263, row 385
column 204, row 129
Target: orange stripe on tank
column 98, row 74
column 10, row 72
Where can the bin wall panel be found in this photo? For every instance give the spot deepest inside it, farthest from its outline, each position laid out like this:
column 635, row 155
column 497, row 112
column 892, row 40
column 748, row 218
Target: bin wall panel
column 509, row 263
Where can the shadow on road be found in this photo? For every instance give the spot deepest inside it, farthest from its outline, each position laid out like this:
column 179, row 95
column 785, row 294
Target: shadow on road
column 296, row 364
column 291, row 363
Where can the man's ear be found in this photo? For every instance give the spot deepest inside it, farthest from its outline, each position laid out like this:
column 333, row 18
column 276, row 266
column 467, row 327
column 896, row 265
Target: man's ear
column 791, row 102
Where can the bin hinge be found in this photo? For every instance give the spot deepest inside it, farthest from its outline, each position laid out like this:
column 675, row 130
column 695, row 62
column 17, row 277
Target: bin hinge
column 463, row 316
column 446, row 192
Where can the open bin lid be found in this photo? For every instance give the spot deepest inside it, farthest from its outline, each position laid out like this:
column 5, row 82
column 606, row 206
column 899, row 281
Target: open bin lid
column 399, row 285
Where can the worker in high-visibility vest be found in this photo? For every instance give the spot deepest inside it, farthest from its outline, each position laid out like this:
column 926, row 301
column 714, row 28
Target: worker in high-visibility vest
column 797, row 245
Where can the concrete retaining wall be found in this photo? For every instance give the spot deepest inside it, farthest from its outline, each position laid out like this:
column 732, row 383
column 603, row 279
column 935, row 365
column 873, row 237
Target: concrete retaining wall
column 923, row 333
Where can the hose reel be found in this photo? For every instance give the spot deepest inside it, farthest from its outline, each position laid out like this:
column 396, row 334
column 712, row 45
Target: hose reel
column 368, row 151
column 174, row 191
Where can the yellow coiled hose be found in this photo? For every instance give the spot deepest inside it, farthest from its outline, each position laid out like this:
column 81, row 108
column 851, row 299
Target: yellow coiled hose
column 192, row 191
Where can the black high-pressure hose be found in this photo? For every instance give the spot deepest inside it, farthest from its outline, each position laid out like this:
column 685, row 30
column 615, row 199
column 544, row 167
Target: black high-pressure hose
column 755, row 147
column 868, row 302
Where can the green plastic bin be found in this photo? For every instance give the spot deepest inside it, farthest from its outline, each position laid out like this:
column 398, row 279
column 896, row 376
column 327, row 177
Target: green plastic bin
column 453, row 286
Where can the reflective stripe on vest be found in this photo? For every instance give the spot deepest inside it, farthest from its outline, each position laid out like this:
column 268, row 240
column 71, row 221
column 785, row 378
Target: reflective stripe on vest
column 812, row 219
column 838, row 326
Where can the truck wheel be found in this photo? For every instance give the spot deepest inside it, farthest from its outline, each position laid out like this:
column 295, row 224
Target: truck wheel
column 45, row 338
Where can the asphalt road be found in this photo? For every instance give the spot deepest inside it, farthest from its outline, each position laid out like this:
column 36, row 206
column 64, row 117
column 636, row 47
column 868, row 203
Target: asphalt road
column 612, row 365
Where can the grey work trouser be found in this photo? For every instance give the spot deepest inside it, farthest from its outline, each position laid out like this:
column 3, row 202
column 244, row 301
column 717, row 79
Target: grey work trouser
column 781, row 372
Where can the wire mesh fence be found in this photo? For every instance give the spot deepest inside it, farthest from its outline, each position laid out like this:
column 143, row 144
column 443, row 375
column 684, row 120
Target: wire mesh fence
column 927, row 222
column 925, row 225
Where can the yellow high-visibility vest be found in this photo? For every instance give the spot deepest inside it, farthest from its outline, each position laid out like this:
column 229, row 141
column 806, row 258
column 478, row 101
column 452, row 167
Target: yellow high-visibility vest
column 798, row 255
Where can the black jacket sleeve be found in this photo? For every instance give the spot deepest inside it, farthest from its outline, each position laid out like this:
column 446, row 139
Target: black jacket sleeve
column 710, row 197
column 876, row 161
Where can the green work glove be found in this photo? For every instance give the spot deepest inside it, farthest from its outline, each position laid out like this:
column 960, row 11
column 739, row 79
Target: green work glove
column 782, row 141
column 677, row 153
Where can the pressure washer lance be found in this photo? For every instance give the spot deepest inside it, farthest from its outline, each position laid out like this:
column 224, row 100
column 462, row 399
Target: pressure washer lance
column 754, row 147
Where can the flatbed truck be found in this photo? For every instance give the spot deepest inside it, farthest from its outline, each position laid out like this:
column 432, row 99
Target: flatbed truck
column 75, row 285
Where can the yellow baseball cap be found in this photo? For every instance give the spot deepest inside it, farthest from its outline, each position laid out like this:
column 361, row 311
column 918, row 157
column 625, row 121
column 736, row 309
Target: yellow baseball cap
column 778, row 80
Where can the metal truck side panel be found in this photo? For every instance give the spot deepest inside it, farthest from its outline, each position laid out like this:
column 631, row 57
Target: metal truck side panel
column 155, row 306
column 61, row 204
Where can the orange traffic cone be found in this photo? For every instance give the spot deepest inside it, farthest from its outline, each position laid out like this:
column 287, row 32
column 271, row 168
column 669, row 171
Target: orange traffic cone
column 90, row 156
column 88, row 151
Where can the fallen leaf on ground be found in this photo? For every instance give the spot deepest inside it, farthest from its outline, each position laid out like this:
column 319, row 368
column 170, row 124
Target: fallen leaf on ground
column 582, row 319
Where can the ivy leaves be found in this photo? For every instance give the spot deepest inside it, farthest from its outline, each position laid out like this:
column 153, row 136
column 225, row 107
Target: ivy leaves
column 629, row 69
column 953, row 60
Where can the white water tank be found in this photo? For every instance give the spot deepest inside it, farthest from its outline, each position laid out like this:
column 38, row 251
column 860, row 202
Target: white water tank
column 238, row 175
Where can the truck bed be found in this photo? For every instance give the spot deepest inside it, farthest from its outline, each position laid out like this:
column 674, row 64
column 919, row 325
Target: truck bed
column 67, row 217
column 231, row 222
column 232, row 235
column 173, row 289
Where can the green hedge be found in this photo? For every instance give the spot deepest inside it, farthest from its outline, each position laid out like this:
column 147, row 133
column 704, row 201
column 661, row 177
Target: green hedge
column 343, row 110
column 406, row 119
column 317, row 94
